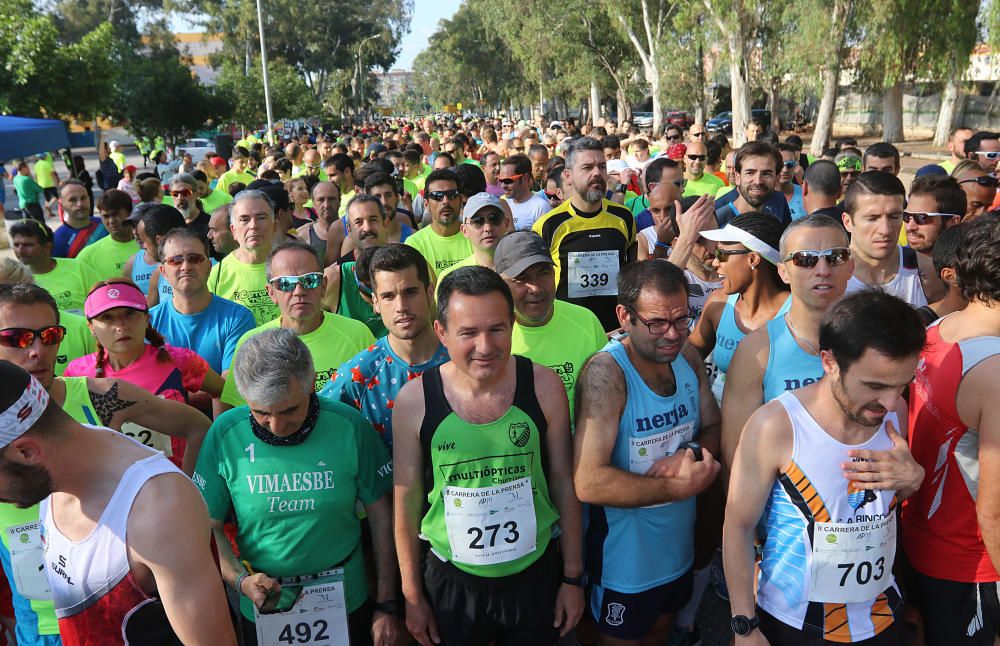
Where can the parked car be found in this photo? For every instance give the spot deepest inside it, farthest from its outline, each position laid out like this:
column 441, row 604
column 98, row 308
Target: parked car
column 642, row 119
column 680, row 118
column 722, row 122
column 197, row 148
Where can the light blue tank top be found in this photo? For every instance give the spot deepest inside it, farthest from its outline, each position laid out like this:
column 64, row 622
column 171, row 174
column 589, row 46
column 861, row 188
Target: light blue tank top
column 142, row 271
column 620, row 541
column 729, row 335
column 788, row 365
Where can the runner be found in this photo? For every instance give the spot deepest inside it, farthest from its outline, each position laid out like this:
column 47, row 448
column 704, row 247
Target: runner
column 195, row 318
column 698, row 181
column 441, row 243
column 786, row 180
column 151, row 223
column 403, row 296
column 184, row 196
column 782, row 355
column 220, row 234
column 67, row 279
column 946, row 252
column 241, row 276
column 755, row 174
column 874, row 216
column 29, row 193
column 949, row 527
column 752, row 292
column 104, row 590
column 80, row 228
column 515, row 177
column 291, row 467
column 296, row 284
column 484, row 223
column 109, row 255
column 936, row 203
column 647, row 431
column 589, row 237
column 820, row 474
column 491, row 427
column 821, row 189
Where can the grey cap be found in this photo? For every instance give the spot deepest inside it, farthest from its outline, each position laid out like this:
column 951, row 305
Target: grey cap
column 519, row 250
column 480, row 201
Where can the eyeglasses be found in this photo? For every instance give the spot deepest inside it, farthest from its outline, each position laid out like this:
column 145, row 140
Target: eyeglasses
column 437, row 196
column 451, row 151
column 312, row 280
column 722, row 255
column 478, row 221
column 661, row 327
column 791, row 163
column 924, row 218
column 184, row 192
column 809, row 258
column 986, row 180
column 511, row 179
column 679, row 183
column 22, row 337
column 989, row 154
column 192, row 258
column 697, row 157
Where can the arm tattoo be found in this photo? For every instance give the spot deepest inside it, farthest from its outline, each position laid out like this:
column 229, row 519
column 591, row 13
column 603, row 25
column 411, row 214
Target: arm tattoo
column 107, row 404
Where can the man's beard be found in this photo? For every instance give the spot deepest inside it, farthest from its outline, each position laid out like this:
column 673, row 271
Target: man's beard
column 29, row 486
column 856, row 415
column 754, row 202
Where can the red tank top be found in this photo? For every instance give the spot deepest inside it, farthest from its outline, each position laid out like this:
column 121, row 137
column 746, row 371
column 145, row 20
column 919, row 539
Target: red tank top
column 940, row 527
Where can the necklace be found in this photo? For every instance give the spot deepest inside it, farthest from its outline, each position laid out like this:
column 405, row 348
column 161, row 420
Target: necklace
column 799, row 337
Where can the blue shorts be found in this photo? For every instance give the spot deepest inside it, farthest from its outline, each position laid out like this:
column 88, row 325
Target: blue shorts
column 624, row 615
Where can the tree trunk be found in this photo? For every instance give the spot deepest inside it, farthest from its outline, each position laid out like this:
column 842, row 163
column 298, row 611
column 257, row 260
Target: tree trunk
column 824, row 118
column 892, row 113
column 738, row 75
column 774, row 104
column 951, row 102
column 624, row 109
column 595, row 103
column 541, row 97
column 654, row 86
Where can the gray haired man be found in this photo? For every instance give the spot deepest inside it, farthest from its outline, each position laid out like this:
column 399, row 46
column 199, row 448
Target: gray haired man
column 184, row 194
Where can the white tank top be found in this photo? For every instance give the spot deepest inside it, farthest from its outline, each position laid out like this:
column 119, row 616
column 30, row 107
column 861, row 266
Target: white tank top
column 96, row 600
column 827, row 547
column 905, row 285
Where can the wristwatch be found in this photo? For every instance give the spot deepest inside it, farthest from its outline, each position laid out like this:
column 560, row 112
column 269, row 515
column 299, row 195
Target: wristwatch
column 620, row 188
column 390, row 607
column 743, row 625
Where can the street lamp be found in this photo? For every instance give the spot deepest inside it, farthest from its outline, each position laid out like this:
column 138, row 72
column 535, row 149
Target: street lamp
column 263, row 62
column 361, row 77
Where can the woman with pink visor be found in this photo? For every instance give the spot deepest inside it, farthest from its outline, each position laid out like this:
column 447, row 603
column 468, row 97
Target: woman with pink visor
column 129, row 348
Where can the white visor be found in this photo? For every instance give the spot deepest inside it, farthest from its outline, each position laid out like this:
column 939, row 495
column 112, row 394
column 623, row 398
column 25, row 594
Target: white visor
column 729, row 233
column 22, row 414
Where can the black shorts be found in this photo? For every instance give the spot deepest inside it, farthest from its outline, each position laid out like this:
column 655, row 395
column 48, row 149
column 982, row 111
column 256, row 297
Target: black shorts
column 623, row 615
column 359, row 627
column 508, row 611
column 51, row 193
column 956, row 612
column 779, row 633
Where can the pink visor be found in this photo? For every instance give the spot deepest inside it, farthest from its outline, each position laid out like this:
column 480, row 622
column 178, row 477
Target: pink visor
column 108, row 297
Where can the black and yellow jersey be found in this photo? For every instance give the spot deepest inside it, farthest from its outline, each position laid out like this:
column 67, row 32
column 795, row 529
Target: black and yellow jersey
column 589, row 249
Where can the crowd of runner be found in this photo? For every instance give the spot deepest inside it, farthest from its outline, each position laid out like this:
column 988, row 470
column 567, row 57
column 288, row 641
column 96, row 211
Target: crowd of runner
column 485, row 382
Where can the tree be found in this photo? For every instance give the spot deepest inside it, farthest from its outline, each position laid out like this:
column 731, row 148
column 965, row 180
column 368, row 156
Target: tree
column 290, row 96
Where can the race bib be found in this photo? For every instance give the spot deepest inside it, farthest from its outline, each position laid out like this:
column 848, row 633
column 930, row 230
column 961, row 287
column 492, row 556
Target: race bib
column 490, row 525
column 319, row 616
column 644, row 451
column 148, row 437
column 592, row 273
column 852, row 562
column 27, row 561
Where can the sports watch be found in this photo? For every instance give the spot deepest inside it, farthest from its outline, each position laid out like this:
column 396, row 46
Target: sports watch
column 743, row 625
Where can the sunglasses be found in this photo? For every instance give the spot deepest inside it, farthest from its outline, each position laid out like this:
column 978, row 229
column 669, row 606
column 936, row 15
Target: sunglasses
column 185, row 192
column 924, row 218
column 192, row 258
column 679, row 183
column 478, row 221
column 21, row 337
column 511, row 179
column 697, row 134
column 697, row 157
column 791, row 163
column 312, row 280
column 989, row 154
column 809, row 258
column 722, row 255
column 986, row 180
column 450, row 194
column 674, row 138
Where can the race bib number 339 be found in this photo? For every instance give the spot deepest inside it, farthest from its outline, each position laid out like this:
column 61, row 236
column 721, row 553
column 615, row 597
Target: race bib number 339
column 490, row 525
column 592, row 273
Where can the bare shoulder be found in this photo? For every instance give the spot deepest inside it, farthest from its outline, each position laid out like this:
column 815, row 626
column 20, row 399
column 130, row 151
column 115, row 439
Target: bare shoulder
column 601, row 376
column 754, row 346
column 166, row 502
column 691, row 355
column 332, row 273
column 714, row 304
column 771, row 427
column 546, row 381
column 411, row 397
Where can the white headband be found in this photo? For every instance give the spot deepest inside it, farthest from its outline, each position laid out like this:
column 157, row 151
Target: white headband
column 22, row 414
column 729, row 233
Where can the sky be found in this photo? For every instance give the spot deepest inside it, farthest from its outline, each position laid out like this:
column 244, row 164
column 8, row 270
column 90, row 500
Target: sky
column 426, row 14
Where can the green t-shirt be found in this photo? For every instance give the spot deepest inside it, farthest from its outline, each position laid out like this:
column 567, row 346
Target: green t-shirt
column 948, row 165
column 467, row 262
column 722, row 191
column 28, row 191
column 119, row 160
column 244, row 284
column 549, row 344
column 344, row 200
column 69, row 283
column 107, row 256
column 78, row 342
column 214, row 200
column 637, row 204
column 354, row 306
column 709, row 184
column 440, row 252
column 43, row 172
column 295, row 505
column 231, row 176
column 335, row 341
